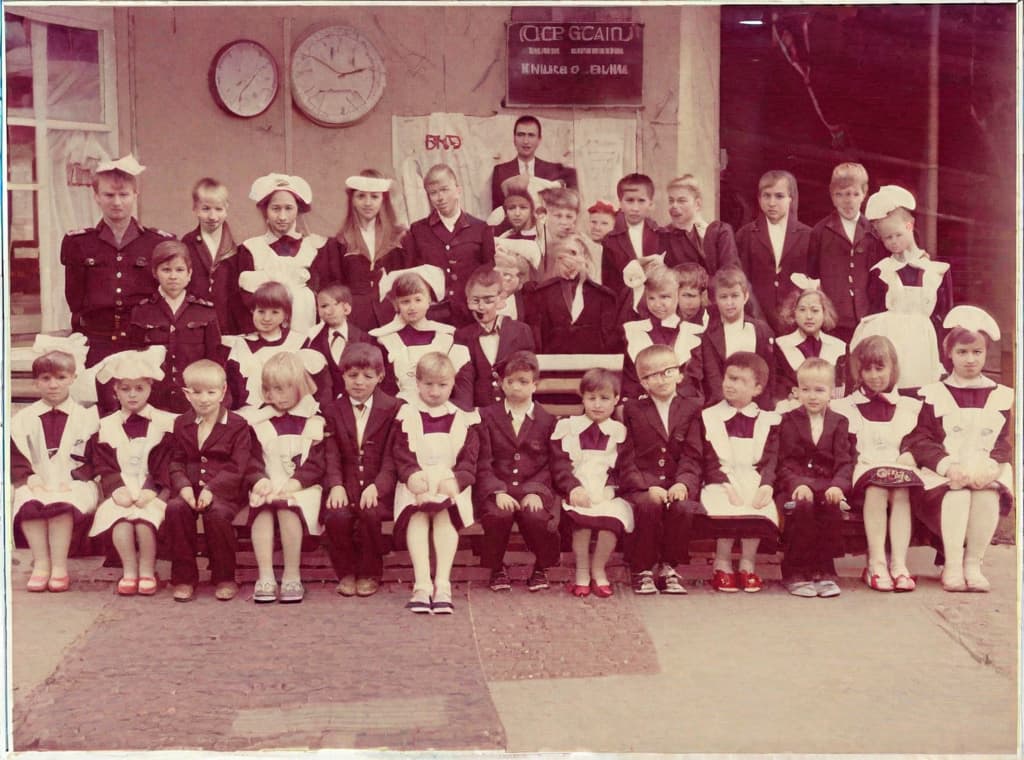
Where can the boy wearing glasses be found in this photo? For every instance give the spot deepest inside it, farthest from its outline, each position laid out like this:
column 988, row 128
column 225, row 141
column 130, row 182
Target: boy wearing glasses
column 490, row 339
column 659, row 472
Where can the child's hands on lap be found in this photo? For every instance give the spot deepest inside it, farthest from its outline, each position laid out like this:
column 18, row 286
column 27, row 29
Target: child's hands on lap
column 369, row 498
column 803, row 493
column 678, row 492
column 337, row 498
column 506, row 502
column 579, row 498
column 763, row 497
column 188, row 495
column 145, row 496
column 734, row 497
column 35, row 483
column 122, row 497
column 291, row 486
column 532, row 503
column 958, row 477
column 417, row 483
column 448, row 487
column 834, row 495
column 984, row 474
column 204, row 499
column 658, row 494
column 260, row 491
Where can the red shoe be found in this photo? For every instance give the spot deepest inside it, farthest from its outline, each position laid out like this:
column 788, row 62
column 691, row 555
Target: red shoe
column 602, row 592
column 128, row 587
column 902, row 583
column 148, row 584
column 750, row 582
column 580, row 591
column 876, row 581
column 38, row 583
column 57, row 585
column 723, row 581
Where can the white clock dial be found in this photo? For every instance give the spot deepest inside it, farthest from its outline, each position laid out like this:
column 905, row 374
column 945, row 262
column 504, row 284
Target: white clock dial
column 337, row 76
column 244, row 78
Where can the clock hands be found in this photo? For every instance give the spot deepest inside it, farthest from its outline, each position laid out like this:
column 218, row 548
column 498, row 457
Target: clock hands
column 337, row 73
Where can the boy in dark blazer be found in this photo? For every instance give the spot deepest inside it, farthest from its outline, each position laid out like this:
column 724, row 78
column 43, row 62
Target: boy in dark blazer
column 815, row 470
column 689, row 238
column 773, row 247
column 490, row 339
column 635, row 233
column 514, row 477
column 730, row 330
column 331, row 335
column 360, row 479
column 659, row 472
column 211, row 454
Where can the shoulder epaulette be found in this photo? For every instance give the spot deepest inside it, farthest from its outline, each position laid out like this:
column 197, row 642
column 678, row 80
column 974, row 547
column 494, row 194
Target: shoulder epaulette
column 159, row 232
column 200, row 301
column 81, row 231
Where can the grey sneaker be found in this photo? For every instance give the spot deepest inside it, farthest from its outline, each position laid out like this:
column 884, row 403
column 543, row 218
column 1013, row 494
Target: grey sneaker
column 669, row 581
column 419, row 602
column 264, row 592
column 442, row 604
column 538, row 581
column 643, row 583
column 499, row 580
column 292, row 592
column 827, row 588
column 805, row 589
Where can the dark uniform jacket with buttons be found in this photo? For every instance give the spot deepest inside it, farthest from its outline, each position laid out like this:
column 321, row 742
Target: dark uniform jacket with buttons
column 595, row 330
column 457, row 253
column 843, row 266
column 356, row 467
column 713, row 356
column 550, row 170
column 331, row 382
column 190, row 335
column 477, row 383
column 653, row 456
column 103, row 282
column 617, row 251
column 769, row 285
column 819, row 466
column 219, row 465
column 715, row 250
column 515, row 464
column 215, row 279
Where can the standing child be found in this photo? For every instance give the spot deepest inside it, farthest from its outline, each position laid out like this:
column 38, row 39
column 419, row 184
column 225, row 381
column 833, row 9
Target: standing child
column 693, row 293
column 514, row 477
column 963, row 434
column 211, row 454
column 180, row 321
column 880, row 421
column 284, row 481
column 635, row 236
column 130, row 453
column 585, row 451
column 741, row 451
column 449, row 239
column 815, row 470
column 812, row 313
column 773, row 246
column 561, row 207
column 52, row 480
column 909, row 294
column 660, row 472
column 368, row 244
column 489, row 341
column 435, row 454
column 730, row 330
column 663, row 327
column 329, row 338
column 689, row 237
column 843, row 247
column 520, row 214
column 360, row 478
column 213, row 255
column 515, row 271
column 600, row 220
column 282, row 254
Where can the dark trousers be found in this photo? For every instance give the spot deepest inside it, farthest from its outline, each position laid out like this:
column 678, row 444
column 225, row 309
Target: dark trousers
column 355, row 542
column 660, row 534
column 539, row 529
column 812, row 538
column 183, row 534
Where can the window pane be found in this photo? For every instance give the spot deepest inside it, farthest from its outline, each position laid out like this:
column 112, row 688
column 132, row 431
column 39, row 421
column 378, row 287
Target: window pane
column 73, row 74
column 21, row 155
column 25, row 315
column 19, row 65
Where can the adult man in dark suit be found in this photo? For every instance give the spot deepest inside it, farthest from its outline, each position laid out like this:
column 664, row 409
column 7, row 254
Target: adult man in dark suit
column 527, row 138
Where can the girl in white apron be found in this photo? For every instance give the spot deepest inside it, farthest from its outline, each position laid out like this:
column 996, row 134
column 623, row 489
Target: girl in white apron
column 811, row 312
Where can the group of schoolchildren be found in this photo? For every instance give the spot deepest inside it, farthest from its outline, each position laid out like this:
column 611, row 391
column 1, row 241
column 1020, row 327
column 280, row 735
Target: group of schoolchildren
column 390, row 375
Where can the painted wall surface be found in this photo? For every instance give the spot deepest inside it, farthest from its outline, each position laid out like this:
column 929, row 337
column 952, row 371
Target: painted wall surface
column 438, row 58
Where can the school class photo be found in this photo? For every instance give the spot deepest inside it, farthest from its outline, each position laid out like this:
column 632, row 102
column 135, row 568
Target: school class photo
column 271, row 326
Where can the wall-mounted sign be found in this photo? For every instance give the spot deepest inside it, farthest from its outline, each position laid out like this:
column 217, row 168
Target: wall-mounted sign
column 584, row 63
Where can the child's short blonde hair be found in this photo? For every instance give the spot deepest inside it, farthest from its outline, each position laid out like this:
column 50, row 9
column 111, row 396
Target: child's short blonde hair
column 286, row 368
column 513, row 261
column 53, row 362
column 211, row 186
column 434, row 364
column 816, row 366
column 438, row 173
column 560, row 197
column 848, row 174
column 659, row 278
column 692, row 275
column 204, row 374
column 557, row 246
column 688, row 183
column 117, row 177
column 728, row 277
column 652, row 355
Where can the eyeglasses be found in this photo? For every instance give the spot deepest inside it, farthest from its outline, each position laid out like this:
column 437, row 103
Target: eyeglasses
column 669, row 373
column 485, row 301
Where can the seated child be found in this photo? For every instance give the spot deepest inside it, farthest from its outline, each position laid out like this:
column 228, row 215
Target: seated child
column 558, row 217
column 449, row 239
column 51, row 478
column 331, row 335
column 211, row 453
column 360, row 476
column 179, row 320
column 600, row 220
column 880, row 421
column 629, row 302
column 659, row 472
column 213, row 255
column 964, row 435
column 730, row 330
column 741, row 448
column 570, row 313
column 811, row 312
column 815, row 470
column 284, row 480
column 513, row 476
column 635, row 235
column 435, row 451
column 489, row 340
column 585, row 450
column 689, row 238
column 693, row 293
column 664, row 327
column 411, row 335
column 130, row 453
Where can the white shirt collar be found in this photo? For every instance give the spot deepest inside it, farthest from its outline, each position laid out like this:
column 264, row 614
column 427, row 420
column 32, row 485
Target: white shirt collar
column 511, row 411
column 174, row 303
column 273, row 237
column 750, row 410
column 979, row 382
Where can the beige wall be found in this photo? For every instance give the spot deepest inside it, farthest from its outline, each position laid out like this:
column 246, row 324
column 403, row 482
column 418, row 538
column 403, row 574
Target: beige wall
column 439, row 59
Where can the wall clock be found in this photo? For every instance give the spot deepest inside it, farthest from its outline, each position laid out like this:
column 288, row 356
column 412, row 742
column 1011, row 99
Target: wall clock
column 337, row 75
column 244, row 78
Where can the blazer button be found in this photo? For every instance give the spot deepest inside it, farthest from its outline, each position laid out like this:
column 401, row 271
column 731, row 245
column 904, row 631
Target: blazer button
column 661, row 463
column 517, row 456
column 515, row 482
column 515, row 470
column 202, row 459
column 447, row 247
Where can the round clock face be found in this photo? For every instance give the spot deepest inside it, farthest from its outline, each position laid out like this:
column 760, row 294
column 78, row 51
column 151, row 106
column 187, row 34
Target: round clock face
column 243, row 78
column 337, row 76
